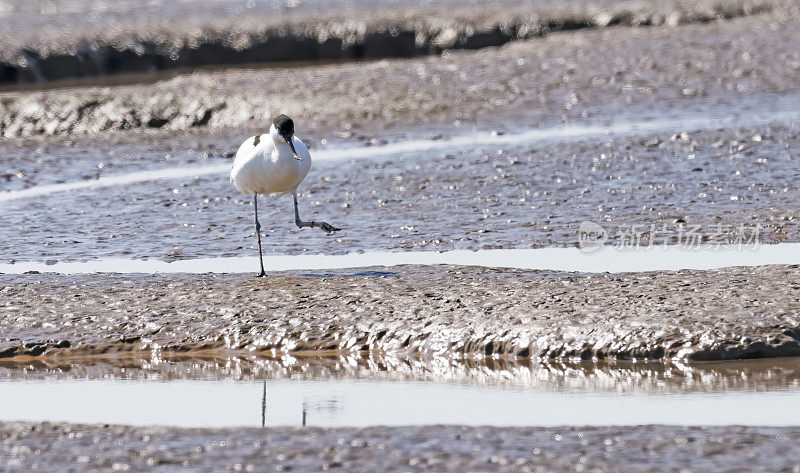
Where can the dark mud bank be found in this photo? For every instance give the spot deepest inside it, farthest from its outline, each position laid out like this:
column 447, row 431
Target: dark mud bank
column 735, row 313
column 70, row 447
column 383, row 36
column 599, row 72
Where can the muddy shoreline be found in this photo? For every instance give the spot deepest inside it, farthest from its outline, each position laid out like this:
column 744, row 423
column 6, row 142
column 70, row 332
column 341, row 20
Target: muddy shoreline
column 727, row 314
column 258, row 37
column 550, row 79
column 570, row 376
column 64, row 447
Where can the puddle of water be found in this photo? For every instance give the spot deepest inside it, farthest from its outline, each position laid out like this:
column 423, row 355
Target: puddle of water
column 327, row 403
column 536, row 135
column 608, row 259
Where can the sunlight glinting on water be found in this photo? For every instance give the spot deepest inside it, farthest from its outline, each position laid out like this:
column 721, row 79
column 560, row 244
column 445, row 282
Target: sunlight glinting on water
column 545, row 134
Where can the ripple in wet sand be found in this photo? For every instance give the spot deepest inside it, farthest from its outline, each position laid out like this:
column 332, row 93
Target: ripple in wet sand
column 724, row 314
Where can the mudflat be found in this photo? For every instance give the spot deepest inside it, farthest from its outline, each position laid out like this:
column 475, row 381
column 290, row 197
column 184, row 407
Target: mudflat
column 65, row 447
column 530, row 194
column 51, row 40
column 725, row 314
column 549, row 79
column 700, row 102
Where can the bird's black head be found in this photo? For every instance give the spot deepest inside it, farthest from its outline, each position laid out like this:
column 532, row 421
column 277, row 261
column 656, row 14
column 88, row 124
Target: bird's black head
column 285, row 126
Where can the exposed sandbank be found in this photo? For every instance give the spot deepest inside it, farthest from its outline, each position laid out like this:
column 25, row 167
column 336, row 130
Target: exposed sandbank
column 734, row 313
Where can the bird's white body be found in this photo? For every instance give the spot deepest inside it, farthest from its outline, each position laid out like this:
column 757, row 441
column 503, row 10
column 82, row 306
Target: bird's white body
column 265, row 164
column 272, row 163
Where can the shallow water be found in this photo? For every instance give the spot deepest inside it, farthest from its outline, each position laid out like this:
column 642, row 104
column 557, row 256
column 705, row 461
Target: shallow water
column 63, row 163
column 337, row 403
column 503, row 192
column 607, row 259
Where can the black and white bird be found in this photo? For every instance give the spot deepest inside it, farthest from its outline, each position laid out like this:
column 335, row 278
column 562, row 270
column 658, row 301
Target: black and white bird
column 274, row 163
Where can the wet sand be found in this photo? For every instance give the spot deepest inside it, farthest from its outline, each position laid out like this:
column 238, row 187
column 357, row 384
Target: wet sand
column 63, row 447
column 727, row 314
column 548, row 80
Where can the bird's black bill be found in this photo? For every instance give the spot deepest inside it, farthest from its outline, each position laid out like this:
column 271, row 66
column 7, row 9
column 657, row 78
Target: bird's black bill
column 294, row 151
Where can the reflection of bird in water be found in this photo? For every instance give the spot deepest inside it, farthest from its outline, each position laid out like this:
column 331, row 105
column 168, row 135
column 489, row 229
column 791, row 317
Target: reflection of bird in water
column 264, row 405
column 276, row 162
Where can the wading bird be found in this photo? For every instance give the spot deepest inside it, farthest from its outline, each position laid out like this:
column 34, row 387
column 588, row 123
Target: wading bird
column 274, row 163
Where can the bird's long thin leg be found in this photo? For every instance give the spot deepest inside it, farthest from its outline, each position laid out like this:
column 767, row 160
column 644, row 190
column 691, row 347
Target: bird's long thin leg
column 324, row 226
column 258, row 233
